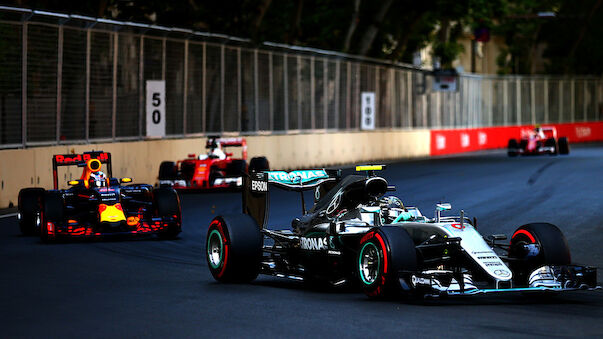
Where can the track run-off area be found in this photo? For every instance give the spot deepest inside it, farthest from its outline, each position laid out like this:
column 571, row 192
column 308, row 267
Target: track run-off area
column 153, row 288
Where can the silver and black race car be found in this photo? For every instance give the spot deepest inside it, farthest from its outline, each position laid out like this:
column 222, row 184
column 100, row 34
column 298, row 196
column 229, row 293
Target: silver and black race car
column 354, row 233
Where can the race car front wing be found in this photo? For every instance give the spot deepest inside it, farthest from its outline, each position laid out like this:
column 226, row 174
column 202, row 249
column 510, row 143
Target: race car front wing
column 436, row 283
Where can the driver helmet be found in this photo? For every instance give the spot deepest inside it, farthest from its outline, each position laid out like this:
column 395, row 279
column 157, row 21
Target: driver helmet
column 392, row 202
column 217, row 153
column 98, row 179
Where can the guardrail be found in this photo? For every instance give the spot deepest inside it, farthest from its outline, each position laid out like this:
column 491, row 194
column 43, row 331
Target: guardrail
column 68, row 79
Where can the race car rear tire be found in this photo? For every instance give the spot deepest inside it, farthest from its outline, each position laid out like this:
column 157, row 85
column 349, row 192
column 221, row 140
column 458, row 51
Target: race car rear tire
column 234, row 248
column 167, row 204
column 550, row 248
column 168, row 171
column 512, row 148
column 31, row 203
column 384, row 255
column 564, row 147
column 53, row 214
column 258, row 164
column 236, row 168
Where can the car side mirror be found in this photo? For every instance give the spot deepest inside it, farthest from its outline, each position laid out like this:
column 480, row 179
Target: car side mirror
column 125, row 180
column 443, row 207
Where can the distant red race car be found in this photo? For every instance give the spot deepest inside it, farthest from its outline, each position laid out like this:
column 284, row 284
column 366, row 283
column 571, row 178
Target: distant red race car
column 214, row 170
column 540, row 140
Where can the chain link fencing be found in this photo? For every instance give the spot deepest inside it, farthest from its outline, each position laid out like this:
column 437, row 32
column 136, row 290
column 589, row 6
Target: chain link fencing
column 70, row 79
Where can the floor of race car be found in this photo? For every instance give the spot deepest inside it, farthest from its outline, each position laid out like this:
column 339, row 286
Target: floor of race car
column 156, row 288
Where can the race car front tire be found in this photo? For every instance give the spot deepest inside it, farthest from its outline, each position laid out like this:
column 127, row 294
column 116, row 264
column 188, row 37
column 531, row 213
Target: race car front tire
column 550, row 142
column 234, row 248
column 258, row 164
column 167, row 205
column 512, row 148
column 564, row 147
column 31, row 204
column 52, row 216
column 383, row 255
column 535, row 245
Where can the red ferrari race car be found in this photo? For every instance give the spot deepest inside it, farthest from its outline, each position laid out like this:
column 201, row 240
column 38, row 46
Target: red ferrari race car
column 97, row 204
column 540, row 140
column 216, row 169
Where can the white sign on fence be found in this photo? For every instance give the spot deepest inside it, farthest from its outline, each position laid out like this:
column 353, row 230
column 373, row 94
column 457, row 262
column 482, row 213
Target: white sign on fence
column 367, row 116
column 155, row 108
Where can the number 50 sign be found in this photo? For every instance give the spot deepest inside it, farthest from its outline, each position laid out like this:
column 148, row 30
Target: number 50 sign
column 155, row 108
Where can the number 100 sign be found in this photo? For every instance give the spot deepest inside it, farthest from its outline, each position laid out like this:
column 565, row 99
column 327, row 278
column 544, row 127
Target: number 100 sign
column 155, row 108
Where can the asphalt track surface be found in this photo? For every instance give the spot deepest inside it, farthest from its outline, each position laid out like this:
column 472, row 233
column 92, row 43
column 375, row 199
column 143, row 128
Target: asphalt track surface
column 152, row 288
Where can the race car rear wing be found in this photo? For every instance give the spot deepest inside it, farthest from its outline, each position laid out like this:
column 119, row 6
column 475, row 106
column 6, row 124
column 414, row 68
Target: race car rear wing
column 78, row 160
column 214, row 140
column 256, row 199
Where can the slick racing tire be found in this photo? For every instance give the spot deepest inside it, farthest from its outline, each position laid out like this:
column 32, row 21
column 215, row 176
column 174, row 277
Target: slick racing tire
column 167, row 171
column 167, row 204
column 550, row 142
column 234, row 248
column 512, row 148
column 535, row 245
column 564, row 147
column 259, row 164
column 52, row 216
column 236, row 168
column 31, row 205
column 383, row 255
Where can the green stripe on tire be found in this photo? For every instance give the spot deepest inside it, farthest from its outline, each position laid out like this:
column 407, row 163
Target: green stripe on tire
column 360, row 263
column 209, row 249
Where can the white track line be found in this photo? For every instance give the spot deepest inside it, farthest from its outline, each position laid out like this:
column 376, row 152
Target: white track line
column 8, row 215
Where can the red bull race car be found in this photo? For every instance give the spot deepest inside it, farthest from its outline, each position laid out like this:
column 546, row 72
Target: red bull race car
column 540, row 140
column 217, row 169
column 97, row 204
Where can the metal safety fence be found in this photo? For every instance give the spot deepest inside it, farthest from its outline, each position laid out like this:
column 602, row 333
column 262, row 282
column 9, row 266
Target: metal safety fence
column 73, row 79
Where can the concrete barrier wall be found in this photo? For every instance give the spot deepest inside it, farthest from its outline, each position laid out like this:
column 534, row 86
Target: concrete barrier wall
column 140, row 160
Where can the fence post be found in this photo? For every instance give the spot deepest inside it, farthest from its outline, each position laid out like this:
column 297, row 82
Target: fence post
column 533, row 100
column 546, row 100
column 114, row 85
column 24, row 85
column 141, row 88
column 204, row 90
column 378, row 114
column 337, row 89
column 185, row 88
column 88, row 43
column 392, row 97
column 572, row 100
column 59, row 83
column 286, row 91
column 409, row 98
column 255, row 89
column 505, row 101
column 518, row 101
column 491, row 102
column 348, row 99
column 299, row 94
column 584, row 103
column 325, row 70
column 560, row 101
column 239, row 89
column 163, row 52
column 312, row 93
column 222, row 76
column 270, row 92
